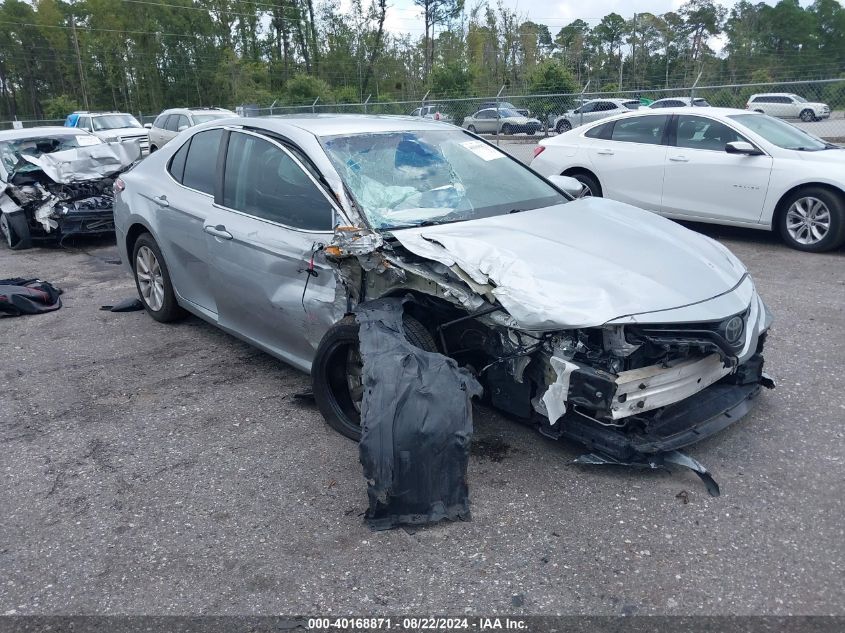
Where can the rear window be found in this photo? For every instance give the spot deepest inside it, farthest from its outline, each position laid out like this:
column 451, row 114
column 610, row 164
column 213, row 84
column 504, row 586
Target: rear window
column 177, row 163
column 604, row 131
column 640, row 129
column 201, row 162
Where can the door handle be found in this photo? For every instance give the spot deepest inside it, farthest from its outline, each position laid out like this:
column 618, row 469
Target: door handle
column 605, row 152
column 679, row 159
column 161, row 200
column 218, row 231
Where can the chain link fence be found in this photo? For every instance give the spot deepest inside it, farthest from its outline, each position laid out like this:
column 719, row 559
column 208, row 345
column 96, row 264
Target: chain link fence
column 817, row 106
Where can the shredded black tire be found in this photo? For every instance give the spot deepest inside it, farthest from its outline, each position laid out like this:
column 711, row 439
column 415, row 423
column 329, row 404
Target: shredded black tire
column 328, row 371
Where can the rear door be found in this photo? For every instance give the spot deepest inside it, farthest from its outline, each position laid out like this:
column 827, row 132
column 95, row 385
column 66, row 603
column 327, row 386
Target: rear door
column 703, row 181
column 630, row 164
column 271, row 220
column 183, row 202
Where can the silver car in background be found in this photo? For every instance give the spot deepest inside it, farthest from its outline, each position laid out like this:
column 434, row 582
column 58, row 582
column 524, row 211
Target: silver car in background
column 491, row 121
column 170, row 122
column 592, row 110
column 595, row 320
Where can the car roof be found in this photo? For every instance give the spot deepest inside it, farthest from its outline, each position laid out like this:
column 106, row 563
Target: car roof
column 336, row 124
column 613, row 99
column 38, row 132
column 718, row 112
column 195, row 109
column 100, row 113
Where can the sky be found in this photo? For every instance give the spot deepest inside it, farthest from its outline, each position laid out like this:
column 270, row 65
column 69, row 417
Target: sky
column 404, row 17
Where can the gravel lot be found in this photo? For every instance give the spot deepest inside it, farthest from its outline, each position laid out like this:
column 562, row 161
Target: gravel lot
column 168, row 469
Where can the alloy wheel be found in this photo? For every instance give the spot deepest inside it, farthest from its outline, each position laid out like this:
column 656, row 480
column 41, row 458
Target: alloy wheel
column 807, row 116
column 808, row 220
column 150, row 278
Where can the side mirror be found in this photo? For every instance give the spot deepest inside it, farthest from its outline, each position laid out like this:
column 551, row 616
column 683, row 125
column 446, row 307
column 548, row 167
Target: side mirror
column 148, row 125
column 568, row 184
column 742, row 147
column 182, row 128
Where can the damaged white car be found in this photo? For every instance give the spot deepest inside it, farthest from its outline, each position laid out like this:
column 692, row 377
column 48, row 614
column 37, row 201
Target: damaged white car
column 594, row 320
column 56, row 183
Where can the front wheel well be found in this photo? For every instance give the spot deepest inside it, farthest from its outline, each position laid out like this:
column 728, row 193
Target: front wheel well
column 780, row 207
column 575, row 171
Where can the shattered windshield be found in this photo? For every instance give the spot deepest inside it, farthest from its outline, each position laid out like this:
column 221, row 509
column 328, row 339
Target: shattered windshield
column 11, row 151
column 416, row 178
column 114, row 122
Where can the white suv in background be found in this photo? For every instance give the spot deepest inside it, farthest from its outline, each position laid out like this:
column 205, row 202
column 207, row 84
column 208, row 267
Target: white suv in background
column 111, row 127
column 433, row 112
column 170, row 122
column 788, row 106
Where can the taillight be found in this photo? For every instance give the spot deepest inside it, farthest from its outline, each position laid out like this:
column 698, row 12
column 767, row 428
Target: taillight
column 119, row 185
column 539, row 150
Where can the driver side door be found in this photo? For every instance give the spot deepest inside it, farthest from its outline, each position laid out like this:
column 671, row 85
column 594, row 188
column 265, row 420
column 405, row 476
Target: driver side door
column 702, row 180
column 271, row 218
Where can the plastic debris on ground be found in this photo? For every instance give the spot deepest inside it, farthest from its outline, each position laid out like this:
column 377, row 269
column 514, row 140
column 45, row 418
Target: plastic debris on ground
column 416, row 418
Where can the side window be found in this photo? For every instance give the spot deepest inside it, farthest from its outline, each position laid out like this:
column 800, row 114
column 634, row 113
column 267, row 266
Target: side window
column 640, row 129
column 177, row 163
column 696, row 132
column 264, row 181
column 201, row 163
column 601, row 131
column 170, row 124
column 160, row 119
column 84, row 122
column 182, row 122
column 588, row 107
column 605, row 106
column 416, row 112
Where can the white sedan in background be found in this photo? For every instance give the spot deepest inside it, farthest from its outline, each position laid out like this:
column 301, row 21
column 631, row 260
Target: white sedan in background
column 718, row 165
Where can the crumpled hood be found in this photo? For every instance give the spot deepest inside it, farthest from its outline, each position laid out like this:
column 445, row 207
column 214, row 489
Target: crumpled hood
column 583, row 263
column 86, row 163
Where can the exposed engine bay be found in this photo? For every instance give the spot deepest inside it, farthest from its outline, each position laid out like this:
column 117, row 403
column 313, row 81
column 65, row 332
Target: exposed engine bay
column 48, row 205
column 54, row 191
column 631, row 390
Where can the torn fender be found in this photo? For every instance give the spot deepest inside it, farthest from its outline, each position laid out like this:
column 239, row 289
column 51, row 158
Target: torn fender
column 86, row 163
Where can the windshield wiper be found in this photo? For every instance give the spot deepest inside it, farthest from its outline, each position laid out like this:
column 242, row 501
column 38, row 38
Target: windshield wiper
column 516, row 210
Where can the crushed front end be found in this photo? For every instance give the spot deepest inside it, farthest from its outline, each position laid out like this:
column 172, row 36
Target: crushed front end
column 54, row 193
column 633, row 390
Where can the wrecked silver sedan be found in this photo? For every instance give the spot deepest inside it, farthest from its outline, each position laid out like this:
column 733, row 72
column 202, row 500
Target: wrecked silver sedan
column 56, row 183
column 595, row 320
